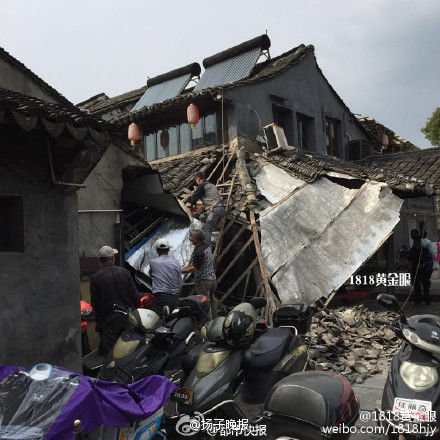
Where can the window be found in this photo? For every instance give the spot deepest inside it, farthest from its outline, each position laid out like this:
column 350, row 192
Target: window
column 161, row 151
column 173, row 147
column 185, row 138
column 197, row 135
column 332, row 131
column 150, row 147
column 305, row 127
column 11, row 224
column 283, row 117
column 210, row 130
column 182, row 138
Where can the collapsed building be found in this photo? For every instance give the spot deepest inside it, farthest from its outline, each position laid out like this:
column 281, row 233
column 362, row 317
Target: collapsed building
column 297, row 225
column 276, row 138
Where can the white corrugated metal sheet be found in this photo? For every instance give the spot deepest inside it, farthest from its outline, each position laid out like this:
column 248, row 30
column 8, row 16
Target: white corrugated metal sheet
column 316, row 235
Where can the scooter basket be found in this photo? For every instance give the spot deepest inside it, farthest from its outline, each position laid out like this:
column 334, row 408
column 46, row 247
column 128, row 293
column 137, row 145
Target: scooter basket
column 314, row 405
column 298, row 315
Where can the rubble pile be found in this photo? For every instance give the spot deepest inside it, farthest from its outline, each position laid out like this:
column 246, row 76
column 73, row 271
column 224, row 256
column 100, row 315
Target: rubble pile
column 348, row 341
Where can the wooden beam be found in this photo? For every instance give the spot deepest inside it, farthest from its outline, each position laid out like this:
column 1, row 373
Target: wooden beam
column 246, row 286
column 226, row 167
column 230, row 244
column 215, row 168
column 223, row 230
column 271, row 299
column 239, row 254
column 238, row 281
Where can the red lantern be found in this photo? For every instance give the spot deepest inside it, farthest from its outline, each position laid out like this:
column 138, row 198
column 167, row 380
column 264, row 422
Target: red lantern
column 133, row 133
column 164, row 138
column 192, row 113
column 384, row 139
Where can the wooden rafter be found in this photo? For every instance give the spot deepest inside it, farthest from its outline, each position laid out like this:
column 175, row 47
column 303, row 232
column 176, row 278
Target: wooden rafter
column 271, row 299
column 238, row 280
column 239, row 254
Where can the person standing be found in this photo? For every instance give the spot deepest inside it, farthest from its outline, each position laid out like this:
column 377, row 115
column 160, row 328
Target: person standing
column 420, row 259
column 208, row 193
column 166, row 276
column 111, row 285
column 202, row 265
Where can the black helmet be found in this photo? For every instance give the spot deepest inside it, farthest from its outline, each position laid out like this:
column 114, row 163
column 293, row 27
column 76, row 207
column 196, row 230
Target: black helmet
column 239, row 325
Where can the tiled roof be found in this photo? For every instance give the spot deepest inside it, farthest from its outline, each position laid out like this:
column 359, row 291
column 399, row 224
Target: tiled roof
column 421, row 164
column 29, row 110
column 31, row 75
column 260, row 72
column 109, row 104
column 93, row 100
column 178, row 172
column 396, row 143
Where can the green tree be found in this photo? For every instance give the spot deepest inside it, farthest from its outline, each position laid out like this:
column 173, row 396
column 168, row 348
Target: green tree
column 432, row 128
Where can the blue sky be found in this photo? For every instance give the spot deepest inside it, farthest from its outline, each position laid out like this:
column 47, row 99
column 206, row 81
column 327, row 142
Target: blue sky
column 381, row 56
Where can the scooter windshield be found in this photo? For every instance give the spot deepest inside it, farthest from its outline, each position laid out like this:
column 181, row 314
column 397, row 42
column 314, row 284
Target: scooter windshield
column 29, row 407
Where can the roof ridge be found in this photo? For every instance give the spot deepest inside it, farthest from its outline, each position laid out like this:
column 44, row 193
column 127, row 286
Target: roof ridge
column 28, row 72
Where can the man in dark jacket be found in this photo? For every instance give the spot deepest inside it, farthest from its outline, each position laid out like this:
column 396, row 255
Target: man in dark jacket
column 420, row 259
column 208, row 193
column 111, row 285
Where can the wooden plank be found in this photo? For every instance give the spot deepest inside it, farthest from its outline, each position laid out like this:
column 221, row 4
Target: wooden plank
column 271, row 299
column 246, row 283
column 215, row 168
column 238, row 281
column 230, row 244
column 239, row 254
column 225, row 168
column 223, row 230
column 329, row 299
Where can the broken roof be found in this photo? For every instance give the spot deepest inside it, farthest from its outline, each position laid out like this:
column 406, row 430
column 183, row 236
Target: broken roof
column 178, row 172
column 304, row 202
column 32, row 76
column 396, row 142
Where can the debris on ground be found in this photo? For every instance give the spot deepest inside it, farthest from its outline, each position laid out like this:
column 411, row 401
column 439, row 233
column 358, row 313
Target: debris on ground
column 348, row 341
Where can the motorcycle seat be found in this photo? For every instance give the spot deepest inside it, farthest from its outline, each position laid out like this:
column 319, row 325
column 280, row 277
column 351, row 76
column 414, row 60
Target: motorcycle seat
column 183, row 327
column 268, row 349
column 320, row 398
column 426, row 319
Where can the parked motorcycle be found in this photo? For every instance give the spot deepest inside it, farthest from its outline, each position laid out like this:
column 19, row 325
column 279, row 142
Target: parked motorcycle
column 46, row 401
column 233, row 365
column 151, row 345
column 93, row 360
column 310, row 405
column 411, row 396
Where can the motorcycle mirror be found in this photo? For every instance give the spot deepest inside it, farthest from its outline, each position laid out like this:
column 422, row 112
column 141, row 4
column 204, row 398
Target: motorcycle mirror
column 258, row 302
column 162, row 331
column 390, row 302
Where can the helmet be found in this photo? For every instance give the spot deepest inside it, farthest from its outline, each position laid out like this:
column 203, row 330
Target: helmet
column 239, row 325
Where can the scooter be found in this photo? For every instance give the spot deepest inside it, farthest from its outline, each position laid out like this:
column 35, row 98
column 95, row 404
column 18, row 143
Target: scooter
column 225, row 371
column 411, row 396
column 151, row 345
column 42, row 403
column 92, row 359
column 310, row 405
